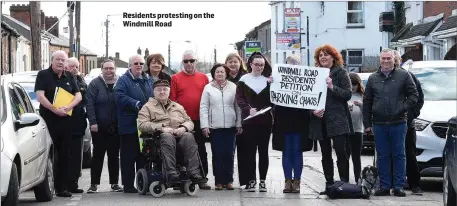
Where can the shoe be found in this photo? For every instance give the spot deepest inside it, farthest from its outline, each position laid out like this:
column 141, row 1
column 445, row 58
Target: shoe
column 218, row 187
column 204, row 186
column 92, row 189
column 197, row 179
column 399, row 193
column 116, row 188
column 417, row 191
column 130, row 190
column 76, row 190
column 251, row 186
column 173, row 178
column 229, row 186
column 382, row 192
column 262, row 186
column 287, row 186
column 295, row 186
column 327, row 185
column 63, row 194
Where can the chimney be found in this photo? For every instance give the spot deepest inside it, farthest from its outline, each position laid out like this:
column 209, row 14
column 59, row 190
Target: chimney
column 21, row 13
column 43, row 22
column 138, row 51
column 146, row 53
column 117, row 55
column 50, row 21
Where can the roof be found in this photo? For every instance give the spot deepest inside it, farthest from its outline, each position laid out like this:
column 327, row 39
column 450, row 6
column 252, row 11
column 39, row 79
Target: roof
column 423, row 29
column 118, row 62
column 64, row 41
column 20, row 27
column 451, row 23
column 402, row 32
column 10, row 29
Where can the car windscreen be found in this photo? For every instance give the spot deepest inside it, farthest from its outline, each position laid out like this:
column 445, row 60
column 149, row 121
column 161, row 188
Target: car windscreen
column 29, row 88
column 438, row 83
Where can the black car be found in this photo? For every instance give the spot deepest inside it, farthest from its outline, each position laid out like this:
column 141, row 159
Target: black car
column 450, row 165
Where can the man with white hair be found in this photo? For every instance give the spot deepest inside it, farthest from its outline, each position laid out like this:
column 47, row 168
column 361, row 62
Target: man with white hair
column 58, row 119
column 390, row 93
column 78, row 128
column 187, row 89
column 132, row 91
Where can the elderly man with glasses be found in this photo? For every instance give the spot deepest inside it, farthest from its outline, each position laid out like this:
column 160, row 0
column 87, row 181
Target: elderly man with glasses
column 132, row 91
column 187, row 89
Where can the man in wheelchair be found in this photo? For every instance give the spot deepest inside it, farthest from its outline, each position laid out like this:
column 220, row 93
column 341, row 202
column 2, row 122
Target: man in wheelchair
column 160, row 114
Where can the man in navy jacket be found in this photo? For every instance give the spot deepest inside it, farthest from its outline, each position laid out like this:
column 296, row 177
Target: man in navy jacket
column 133, row 90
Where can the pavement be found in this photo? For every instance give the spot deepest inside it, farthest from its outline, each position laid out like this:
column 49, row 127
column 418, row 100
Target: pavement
column 312, row 183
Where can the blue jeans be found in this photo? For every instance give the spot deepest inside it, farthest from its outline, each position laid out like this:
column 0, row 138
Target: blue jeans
column 292, row 156
column 390, row 142
column 223, row 149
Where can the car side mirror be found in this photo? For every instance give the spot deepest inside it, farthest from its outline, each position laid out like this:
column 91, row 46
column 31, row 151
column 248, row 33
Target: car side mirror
column 27, row 120
column 452, row 122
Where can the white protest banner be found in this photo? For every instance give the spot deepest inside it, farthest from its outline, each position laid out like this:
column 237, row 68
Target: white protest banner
column 299, row 86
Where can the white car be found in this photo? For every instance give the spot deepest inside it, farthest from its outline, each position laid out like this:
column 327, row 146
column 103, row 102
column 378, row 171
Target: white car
column 26, row 147
column 27, row 81
column 94, row 73
column 438, row 81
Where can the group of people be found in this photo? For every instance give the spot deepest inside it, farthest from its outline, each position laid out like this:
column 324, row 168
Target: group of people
column 186, row 109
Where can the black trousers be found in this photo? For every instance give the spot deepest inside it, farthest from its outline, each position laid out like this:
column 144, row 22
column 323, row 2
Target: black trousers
column 75, row 163
column 61, row 142
column 130, row 155
column 254, row 138
column 201, row 140
column 342, row 162
column 354, row 148
column 104, row 142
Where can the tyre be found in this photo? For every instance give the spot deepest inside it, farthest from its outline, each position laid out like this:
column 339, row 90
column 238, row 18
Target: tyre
column 449, row 194
column 190, row 188
column 142, row 182
column 44, row 192
column 157, row 189
column 12, row 197
column 87, row 158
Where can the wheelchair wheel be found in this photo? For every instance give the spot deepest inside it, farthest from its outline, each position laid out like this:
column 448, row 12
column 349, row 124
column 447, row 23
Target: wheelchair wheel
column 157, row 189
column 142, row 182
column 190, row 188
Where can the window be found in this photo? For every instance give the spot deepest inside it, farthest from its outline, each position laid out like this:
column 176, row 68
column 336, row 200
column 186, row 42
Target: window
column 292, row 4
column 285, row 56
column 355, row 15
column 16, row 106
column 276, row 18
column 355, row 57
column 433, row 79
column 3, row 105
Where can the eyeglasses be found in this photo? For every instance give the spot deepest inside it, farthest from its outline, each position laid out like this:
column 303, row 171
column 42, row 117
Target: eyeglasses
column 108, row 68
column 259, row 65
column 188, row 60
column 138, row 63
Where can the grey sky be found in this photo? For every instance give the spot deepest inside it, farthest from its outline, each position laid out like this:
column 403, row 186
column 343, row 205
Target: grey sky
column 232, row 21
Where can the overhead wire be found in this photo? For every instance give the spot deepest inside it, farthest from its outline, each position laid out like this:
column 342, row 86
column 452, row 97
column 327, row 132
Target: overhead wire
column 66, row 11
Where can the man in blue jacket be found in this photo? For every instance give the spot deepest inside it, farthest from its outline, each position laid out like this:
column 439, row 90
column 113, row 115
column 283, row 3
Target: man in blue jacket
column 133, row 90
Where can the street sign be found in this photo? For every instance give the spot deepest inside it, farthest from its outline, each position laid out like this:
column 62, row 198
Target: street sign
column 251, row 47
column 292, row 20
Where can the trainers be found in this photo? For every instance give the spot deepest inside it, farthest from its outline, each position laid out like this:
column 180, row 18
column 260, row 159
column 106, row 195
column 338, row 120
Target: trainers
column 92, row 189
column 251, row 186
column 417, row 191
column 262, row 186
column 287, row 186
column 399, row 193
column 218, row 187
column 116, row 188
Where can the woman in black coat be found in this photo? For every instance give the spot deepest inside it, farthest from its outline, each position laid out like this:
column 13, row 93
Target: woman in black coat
column 291, row 136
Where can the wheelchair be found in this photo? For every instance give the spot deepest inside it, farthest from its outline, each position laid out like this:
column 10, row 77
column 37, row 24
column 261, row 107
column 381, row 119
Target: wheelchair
column 153, row 177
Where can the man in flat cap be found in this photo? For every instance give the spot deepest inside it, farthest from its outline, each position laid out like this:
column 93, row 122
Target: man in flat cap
column 160, row 114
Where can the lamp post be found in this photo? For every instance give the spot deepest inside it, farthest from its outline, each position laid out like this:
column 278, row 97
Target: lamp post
column 169, row 52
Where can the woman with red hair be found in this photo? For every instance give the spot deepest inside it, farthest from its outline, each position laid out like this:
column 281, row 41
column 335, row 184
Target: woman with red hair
column 334, row 122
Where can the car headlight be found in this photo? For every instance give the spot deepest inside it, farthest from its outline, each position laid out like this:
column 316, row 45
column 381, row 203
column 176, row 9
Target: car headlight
column 420, row 124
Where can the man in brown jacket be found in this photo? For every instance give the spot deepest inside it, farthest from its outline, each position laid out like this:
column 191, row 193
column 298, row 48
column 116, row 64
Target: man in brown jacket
column 163, row 115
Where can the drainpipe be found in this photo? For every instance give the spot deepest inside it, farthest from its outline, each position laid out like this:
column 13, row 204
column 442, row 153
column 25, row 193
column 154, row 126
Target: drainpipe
column 9, row 54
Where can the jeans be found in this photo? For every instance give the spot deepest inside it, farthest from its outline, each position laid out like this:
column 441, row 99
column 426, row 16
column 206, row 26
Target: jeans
column 292, row 156
column 390, row 142
column 354, row 148
column 223, row 149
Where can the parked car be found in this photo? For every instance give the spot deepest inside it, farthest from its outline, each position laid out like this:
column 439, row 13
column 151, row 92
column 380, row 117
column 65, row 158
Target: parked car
column 26, row 147
column 438, row 81
column 94, row 73
column 450, row 165
column 27, row 81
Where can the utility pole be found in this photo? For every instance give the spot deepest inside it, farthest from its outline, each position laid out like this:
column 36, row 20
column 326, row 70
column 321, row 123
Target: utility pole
column 71, row 7
column 78, row 29
column 35, row 33
column 106, row 34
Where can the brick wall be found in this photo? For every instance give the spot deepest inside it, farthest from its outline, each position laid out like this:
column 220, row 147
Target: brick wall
column 6, row 53
column 432, row 8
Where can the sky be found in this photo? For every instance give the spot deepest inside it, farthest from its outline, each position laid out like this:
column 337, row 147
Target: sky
column 232, row 20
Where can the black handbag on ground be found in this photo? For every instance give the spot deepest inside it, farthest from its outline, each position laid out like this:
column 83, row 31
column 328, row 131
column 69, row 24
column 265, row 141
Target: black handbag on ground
column 344, row 190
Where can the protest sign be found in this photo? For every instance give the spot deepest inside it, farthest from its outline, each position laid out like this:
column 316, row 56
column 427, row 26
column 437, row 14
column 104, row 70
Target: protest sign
column 299, row 86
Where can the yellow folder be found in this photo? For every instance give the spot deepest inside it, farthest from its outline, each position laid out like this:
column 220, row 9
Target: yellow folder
column 62, row 98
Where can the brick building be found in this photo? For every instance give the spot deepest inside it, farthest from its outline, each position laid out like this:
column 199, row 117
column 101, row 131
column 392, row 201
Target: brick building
column 9, row 45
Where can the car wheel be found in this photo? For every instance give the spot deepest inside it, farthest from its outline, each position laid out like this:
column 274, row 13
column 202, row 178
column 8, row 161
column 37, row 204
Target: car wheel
column 44, row 192
column 12, row 197
column 449, row 194
column 87, row 158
